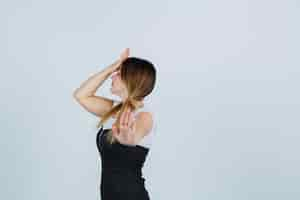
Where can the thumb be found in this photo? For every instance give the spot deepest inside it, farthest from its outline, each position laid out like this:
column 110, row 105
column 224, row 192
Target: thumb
column 114, row 129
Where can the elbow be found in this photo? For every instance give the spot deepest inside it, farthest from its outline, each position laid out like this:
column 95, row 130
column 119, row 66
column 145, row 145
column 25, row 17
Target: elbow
column 79, row 95
column 76, row 95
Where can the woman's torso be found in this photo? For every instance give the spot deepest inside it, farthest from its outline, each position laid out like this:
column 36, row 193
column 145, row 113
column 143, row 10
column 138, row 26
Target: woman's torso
column 122, row 164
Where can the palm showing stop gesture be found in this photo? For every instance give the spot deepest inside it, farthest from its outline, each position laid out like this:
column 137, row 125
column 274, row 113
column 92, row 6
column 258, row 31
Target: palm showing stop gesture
column 127, row 128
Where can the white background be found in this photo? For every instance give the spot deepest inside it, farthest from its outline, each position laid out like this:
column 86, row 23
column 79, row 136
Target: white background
column 226, row 98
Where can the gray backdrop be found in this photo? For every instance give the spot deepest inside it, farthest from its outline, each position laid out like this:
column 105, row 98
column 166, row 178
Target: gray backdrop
column 226, row 100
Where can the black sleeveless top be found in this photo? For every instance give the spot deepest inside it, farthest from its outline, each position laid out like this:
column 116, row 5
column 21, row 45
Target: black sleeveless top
column 121, row 176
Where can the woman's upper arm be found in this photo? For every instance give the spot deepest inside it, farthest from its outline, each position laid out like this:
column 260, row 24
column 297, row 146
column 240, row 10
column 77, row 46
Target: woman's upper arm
column 96, row 105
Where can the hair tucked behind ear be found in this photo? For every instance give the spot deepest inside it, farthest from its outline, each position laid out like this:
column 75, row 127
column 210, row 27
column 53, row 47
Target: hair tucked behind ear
column 139, row 76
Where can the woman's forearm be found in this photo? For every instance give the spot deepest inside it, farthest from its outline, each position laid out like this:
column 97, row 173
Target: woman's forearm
column 90, row 86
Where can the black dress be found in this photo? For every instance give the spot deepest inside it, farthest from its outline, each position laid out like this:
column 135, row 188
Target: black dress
column 121, row 176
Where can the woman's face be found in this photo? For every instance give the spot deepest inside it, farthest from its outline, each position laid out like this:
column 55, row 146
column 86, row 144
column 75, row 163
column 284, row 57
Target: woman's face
column 117, row 86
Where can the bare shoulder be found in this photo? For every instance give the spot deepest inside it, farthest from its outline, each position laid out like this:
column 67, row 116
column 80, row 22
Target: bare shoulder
column 144, row 121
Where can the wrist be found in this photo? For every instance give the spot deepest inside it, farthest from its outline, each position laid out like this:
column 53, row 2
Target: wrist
column 114, row 65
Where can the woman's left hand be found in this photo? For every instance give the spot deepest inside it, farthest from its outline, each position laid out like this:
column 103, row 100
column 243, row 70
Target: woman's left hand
column 125, row 134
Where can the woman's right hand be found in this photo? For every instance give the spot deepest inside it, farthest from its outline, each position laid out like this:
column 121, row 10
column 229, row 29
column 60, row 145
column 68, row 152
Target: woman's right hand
column 124, row 54
column 117, row 64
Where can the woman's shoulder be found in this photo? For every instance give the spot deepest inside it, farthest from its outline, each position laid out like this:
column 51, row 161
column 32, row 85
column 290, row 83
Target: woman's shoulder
column 146, row 109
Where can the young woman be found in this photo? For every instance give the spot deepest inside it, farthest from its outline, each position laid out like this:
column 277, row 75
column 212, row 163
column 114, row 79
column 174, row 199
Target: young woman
column 123, row 147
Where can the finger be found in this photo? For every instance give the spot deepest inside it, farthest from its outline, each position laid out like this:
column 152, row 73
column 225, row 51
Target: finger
column 122, row 118
column 129, row 127
column 127, row 52
column 114, row 130
column 126, row 120
column 127, row 116
column 124, row 54
column 131, row 120
column 123, row 125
